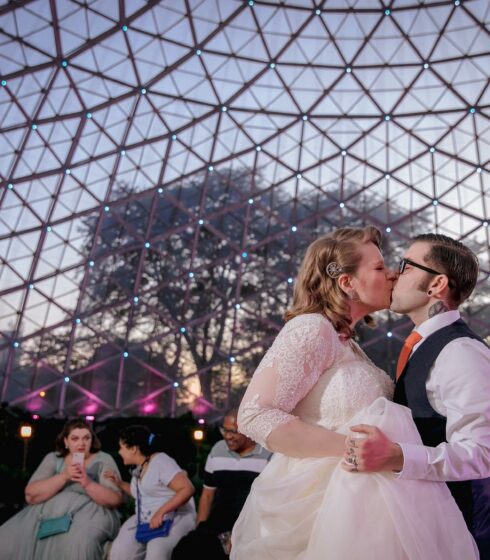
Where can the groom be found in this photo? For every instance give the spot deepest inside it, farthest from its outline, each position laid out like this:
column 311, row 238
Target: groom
column 443, row 376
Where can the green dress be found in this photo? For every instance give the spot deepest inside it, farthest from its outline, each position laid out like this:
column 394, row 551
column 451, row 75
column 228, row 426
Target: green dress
column 91, row 528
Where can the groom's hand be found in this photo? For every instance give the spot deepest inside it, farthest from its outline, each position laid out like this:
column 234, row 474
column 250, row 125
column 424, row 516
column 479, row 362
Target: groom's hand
column 372, row 453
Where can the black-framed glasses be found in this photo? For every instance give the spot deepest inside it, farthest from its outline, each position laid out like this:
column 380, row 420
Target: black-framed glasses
column 226, row 431
column 404, row 262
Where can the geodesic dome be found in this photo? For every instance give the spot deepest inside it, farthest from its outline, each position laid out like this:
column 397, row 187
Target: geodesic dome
column 165, row 163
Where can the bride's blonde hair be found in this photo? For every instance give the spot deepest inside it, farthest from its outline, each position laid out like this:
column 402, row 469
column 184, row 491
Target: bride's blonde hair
column 317, row 292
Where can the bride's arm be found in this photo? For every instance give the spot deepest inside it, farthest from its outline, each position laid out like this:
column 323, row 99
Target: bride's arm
column 300, row 354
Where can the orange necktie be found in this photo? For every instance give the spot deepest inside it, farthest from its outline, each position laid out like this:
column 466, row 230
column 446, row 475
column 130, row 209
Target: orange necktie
column 408, row 345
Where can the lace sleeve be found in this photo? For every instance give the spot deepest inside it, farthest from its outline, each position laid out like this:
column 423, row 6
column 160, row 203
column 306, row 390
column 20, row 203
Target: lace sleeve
column 302, row 351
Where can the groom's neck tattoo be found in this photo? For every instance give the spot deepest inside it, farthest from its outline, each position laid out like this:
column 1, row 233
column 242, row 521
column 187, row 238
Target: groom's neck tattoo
column 438, row 308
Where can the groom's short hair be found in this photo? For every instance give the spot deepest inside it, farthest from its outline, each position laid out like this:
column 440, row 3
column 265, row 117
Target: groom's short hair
column 456, row 260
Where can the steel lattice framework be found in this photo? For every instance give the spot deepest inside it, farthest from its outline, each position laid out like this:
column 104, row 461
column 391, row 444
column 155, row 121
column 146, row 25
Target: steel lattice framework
column 164, row 163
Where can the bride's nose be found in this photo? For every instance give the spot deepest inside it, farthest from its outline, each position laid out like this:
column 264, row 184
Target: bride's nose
column 391, row 274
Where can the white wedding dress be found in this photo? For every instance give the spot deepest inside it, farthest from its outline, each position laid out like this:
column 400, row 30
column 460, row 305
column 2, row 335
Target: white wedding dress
column 310, row 508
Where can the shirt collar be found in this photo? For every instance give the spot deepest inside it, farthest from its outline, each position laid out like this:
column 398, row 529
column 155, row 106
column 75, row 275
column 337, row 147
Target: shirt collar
column 437, row 322
column 255, row 451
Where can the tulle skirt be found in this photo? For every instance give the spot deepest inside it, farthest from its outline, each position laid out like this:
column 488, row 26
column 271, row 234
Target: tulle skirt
column 311, row 509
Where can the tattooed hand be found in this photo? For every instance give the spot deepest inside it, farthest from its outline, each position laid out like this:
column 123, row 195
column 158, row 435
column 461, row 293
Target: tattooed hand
column 438, row 308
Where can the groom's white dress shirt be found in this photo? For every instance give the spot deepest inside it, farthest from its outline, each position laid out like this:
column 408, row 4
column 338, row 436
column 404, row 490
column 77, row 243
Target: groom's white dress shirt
column 458, row 387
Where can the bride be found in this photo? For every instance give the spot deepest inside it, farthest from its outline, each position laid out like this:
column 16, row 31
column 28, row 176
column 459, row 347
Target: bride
column 311, row 386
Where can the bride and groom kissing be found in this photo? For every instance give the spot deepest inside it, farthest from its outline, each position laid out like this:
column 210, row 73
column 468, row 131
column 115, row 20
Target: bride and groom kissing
column 360, row 461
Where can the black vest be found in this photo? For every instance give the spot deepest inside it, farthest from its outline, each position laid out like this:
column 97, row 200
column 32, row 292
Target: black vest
column 410, row 391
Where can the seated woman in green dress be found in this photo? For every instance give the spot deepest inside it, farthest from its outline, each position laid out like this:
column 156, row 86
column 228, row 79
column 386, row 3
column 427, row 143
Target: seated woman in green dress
column 70, row 480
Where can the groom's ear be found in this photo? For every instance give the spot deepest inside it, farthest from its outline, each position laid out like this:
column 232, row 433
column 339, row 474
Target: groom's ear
column 439, row 287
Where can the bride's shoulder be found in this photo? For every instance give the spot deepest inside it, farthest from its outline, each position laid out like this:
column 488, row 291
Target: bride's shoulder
column 315, row 323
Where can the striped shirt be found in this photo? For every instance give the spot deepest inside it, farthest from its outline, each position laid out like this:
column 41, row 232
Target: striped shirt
column 231, row 475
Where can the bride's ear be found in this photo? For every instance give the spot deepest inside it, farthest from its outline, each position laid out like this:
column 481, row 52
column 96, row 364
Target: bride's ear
column 345, row 283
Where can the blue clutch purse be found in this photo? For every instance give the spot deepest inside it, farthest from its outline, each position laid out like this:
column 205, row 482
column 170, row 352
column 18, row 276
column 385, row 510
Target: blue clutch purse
column 54, row 526
column 145, row 534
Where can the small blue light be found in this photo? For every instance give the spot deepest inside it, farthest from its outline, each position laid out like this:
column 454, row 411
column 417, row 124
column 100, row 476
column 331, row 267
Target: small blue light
column 348, row 69
column 478, row 169
column 106, row 208
column 125, row 354
column 10, row 186
column 387, row 176
column 343, row 153
column 34, row 126
column 426, row 65
column 294, row 228
column 191, row 275
column 250, row 200
column 485, row 224
column 435, row 202
column 342, row 205
column 67, row 171
column 272, row 65
column 124, row 28
column 64, row 63
column 472, row 110
column 232, row 359
column 147, row 245
column 136, row 299
column 31, row 286
column 389, row 334
column 298, row 175
column 4, row 83
column 91, row 263
column 432, row 149
column 224, row 108
column 244, row 255
column 237, row 306
column 290, row 280
column 89, row 115
column 198, row 52
column 67, row 379
column 305, row 117
column 318, row 12
column 159, row 190
column 77, row 320
column 143, row 91
column 176, row 384
column 457, row 2
column 387, row 12
column 388, row 229
column 387, row 118
column 210, row 168
column 174, row 136
column 182, row 329
column 251, row 2
column 258, row 148
column 16, row 344
column 201, row 222
column 123, row 152
column 49, row 228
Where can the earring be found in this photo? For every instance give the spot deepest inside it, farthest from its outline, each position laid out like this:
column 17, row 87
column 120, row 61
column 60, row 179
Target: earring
column 429, row 293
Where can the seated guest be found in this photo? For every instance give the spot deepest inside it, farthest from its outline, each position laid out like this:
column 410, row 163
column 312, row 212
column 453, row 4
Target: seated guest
column 231, row 467
column 69, row 482
column 162, row 492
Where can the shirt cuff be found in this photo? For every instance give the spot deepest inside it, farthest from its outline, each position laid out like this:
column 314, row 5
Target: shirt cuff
column 415, row 461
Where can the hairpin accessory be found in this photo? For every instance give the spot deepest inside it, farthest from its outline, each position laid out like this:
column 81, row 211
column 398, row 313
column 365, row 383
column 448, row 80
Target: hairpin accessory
column 150, row 438
column 333, row 270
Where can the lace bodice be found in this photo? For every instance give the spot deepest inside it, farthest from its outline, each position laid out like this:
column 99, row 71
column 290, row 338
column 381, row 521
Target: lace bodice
column 308, row 373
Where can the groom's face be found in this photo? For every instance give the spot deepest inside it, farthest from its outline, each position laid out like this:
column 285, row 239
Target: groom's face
column 410, row 290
